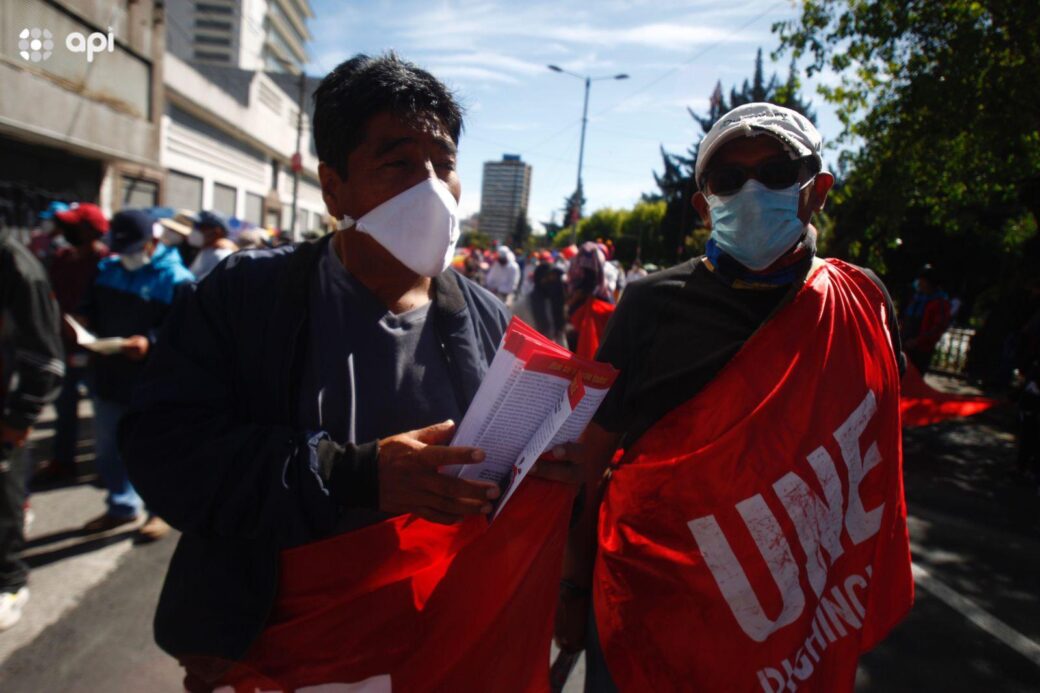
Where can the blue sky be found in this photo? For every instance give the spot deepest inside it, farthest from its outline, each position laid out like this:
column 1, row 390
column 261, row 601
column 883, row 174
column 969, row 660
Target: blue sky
column 494, row 53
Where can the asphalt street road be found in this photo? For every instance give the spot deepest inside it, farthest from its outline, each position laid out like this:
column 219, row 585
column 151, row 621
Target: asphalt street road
column 975, row 626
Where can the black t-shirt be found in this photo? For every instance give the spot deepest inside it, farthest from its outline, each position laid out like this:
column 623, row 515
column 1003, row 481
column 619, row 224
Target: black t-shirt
column 672, row 332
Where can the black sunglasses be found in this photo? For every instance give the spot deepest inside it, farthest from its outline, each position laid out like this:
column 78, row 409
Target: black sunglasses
column 775, row 174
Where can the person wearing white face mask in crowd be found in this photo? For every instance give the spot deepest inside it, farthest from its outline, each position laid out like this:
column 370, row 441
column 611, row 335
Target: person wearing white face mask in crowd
column 503, row 277
column 309, row 391
column 210, row 237
column 130, row 298
column 673, row 334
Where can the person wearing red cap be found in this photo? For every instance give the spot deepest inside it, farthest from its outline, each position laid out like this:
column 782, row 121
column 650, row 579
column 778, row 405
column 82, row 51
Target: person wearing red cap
column 72, row 271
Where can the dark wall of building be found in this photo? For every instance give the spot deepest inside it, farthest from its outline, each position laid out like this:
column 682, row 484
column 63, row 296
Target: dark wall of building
column 32, row 176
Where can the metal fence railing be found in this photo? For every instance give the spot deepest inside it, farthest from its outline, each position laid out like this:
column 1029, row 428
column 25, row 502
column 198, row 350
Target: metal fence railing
column 951, row 353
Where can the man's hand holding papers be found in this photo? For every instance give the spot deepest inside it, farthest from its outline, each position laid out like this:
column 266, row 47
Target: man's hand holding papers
column 410, row 483
column 536, row 397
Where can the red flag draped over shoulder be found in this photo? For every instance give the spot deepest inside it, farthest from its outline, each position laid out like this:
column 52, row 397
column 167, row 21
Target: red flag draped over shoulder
column 408, row 605
column 755, row 538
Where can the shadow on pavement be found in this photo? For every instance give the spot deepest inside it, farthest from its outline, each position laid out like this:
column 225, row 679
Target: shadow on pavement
column 36, row 560
column 975, row 526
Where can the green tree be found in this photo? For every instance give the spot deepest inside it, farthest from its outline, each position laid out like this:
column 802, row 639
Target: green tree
column 475, row 239
column 573, row 205
column 640, row 237
column 602, row 224
column 941, row 114
column 676, row 183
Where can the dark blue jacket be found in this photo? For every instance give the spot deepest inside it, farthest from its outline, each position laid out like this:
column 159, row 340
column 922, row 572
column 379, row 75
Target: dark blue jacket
column 122, row 304
column 213, row 445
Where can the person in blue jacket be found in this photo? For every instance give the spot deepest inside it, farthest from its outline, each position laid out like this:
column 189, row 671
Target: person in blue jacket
column 310, row 390
column 130, row 298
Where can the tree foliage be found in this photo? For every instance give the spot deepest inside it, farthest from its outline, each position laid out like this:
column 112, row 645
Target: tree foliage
column 941, row 112
column 634, row 232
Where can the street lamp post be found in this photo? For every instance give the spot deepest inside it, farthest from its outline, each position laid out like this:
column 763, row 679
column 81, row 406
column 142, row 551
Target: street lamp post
column 296, row 162
column 584, row 119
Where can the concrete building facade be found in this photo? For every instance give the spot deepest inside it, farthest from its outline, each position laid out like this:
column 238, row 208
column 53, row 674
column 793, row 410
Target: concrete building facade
column 269, row 35
column 81, row 98
column 504, row 194
column 228, row 136
column 134, row 125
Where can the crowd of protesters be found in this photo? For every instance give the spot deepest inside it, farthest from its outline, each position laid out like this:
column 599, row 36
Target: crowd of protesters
column 305, row 398
column 118, row 278
column 548, row 289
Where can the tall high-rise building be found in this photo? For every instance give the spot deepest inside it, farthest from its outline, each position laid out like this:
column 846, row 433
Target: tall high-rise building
column 504, row 195
column 232, row 112
column 266, row 35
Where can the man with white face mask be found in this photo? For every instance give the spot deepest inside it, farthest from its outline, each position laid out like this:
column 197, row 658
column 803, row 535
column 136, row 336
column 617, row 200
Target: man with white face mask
column 673, row 336
column 310, row 391
column 130, row 298
column 209, row 237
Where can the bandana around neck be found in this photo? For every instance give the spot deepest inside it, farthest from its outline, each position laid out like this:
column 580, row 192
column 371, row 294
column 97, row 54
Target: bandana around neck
column 784, row 271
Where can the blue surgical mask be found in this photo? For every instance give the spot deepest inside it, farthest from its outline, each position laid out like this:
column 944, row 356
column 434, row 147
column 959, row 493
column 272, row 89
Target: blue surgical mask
column 757, row 225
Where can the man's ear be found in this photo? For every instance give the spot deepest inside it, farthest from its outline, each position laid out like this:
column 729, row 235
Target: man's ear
column 821, row 186
column 700, row 203
column 331, row 183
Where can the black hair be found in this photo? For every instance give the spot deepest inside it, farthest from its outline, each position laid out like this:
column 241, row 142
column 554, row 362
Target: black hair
column 362, row 87
column 543, row 270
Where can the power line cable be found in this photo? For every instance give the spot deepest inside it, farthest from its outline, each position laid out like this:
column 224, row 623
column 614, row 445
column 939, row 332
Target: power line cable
column 696, row 56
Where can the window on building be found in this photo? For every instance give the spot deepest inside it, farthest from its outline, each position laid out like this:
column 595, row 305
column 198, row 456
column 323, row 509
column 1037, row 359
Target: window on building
column 214, row 9
column 183, row 191
column 275, row 9
column 211, row 24
column 212, row 40
column 276, row 39
column 224, row 199
column 271, row 62
column 209, row 55
column 138, row 192
column 272, row 221
column 254, row 208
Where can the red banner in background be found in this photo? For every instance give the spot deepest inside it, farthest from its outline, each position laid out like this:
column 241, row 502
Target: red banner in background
column 755, row 538
column 923, row 405
column 408, row 605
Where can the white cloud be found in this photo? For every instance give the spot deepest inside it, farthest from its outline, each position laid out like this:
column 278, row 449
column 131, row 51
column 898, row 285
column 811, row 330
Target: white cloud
column 466, row 25
column 469, row 73
column 490, row 60
column 673, row 37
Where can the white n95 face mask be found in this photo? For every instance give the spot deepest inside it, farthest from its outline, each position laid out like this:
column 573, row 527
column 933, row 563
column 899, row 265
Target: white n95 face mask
column 419, row 227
